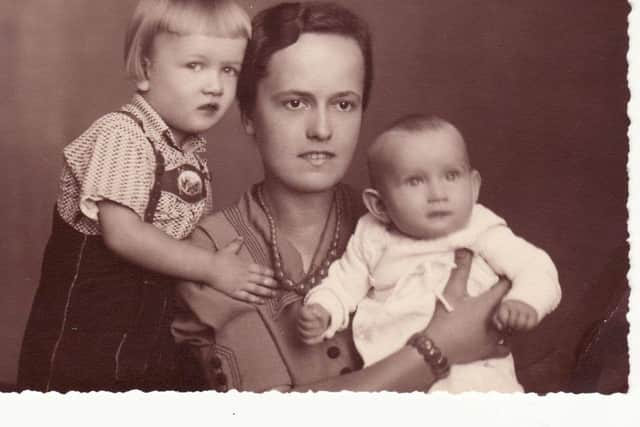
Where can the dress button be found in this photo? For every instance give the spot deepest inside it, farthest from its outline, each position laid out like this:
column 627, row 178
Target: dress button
column 333, row 352
column 345, row 370
column 221, row 379
column 216, row 363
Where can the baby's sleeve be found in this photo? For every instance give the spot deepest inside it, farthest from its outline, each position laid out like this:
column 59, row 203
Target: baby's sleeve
column 347, row 282
column 533, row 275
column 119, row 166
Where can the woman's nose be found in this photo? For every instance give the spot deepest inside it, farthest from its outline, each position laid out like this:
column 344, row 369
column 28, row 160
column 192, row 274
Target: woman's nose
column 319, row 127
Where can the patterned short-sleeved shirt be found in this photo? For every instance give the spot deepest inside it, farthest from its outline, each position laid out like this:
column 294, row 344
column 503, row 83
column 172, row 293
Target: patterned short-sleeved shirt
column 115, row 160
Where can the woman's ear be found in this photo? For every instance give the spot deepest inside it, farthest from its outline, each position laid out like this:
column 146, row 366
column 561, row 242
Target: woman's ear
column 247, row 123
column 476, row 182
column 374, row 204
column 144, row 85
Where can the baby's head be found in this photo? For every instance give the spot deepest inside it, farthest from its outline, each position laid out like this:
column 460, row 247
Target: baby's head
column 422, row 182
column 185, row 56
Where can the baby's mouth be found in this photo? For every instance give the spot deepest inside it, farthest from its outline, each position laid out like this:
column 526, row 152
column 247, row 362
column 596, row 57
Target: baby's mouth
column 438, row 214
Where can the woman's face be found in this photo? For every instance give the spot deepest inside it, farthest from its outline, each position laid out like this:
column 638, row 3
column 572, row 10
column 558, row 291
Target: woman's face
column 308, row 111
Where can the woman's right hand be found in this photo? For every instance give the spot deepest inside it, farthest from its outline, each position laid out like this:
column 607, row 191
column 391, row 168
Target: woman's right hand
column 467, row 334
column 238, row 278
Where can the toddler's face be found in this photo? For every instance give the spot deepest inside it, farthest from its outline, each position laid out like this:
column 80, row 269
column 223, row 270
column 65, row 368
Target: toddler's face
column 428, row 188
column 191, row 79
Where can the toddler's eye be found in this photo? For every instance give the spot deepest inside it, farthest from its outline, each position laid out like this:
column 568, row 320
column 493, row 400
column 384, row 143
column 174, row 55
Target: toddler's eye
column 195, row 66
column 294, row 104
column 452, row 175
column 231, row 71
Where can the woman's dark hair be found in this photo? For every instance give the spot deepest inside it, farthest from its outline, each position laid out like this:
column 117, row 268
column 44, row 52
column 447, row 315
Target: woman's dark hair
column 280, row 26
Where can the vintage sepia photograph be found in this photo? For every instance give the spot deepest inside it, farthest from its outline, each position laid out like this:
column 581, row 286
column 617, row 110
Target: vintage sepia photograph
column 348, row 195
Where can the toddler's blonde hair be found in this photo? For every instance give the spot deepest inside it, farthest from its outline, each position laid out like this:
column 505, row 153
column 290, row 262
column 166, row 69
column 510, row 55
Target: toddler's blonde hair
column 220, row 18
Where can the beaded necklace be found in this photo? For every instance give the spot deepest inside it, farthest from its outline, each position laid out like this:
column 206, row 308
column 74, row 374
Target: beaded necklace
column 315, row 276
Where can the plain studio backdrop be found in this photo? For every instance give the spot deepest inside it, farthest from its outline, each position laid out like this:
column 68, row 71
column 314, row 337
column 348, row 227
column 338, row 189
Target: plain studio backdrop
column 538, row 89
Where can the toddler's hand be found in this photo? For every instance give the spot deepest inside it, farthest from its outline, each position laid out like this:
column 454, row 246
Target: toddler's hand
column 313, row 320
column 516, row 315
column 240, row 279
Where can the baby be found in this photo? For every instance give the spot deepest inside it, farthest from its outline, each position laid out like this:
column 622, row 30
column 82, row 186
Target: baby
column 422, row 206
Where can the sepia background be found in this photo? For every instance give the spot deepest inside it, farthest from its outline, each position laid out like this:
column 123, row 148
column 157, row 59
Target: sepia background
column 538, row 89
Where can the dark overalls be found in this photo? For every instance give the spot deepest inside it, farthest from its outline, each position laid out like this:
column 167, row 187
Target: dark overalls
column 98, row 322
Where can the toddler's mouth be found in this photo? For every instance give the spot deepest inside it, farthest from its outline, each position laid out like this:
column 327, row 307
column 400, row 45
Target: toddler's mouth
column 212, row 107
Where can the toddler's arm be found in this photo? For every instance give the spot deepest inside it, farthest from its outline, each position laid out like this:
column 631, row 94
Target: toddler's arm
column 535, row 290
column 143, row 244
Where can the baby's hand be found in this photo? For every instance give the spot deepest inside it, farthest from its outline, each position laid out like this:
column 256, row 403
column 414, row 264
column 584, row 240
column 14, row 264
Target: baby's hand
column 241, row 279
column 313, row 320
column 516, row 315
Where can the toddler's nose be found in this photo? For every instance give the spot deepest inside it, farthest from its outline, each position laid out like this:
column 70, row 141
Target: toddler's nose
column 213, row 84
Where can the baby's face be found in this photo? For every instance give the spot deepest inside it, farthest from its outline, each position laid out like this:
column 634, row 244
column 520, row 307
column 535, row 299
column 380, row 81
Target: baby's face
column 428, row 187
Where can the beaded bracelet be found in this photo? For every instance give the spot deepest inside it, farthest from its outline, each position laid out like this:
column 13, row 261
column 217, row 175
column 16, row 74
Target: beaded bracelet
column 431, row 354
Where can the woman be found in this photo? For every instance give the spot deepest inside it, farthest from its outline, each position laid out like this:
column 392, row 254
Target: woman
column 304, row 85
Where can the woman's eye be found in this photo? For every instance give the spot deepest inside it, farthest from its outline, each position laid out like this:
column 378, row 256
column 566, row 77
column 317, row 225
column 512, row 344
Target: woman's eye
column 345, row 106
column 195, row 66
column 452, row 175
column 294, row 104
column 232, row 71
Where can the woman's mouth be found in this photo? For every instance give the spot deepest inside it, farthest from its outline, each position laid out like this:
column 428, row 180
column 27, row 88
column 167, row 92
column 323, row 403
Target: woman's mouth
column 317, row 158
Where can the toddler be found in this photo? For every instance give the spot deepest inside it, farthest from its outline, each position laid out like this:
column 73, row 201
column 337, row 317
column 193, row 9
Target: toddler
column 421, row 208
column 133, row 185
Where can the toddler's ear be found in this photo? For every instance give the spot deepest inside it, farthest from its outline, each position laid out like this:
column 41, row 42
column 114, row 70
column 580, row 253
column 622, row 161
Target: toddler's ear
column 247, row 124
column 143, row 85
column 476, row 182
column 374, row 204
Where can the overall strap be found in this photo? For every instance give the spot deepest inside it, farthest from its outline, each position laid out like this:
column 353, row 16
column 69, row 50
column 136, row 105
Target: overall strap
column 154, row 195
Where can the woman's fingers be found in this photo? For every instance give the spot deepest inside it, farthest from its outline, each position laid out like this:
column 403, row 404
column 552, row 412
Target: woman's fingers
column 262, row 281
column 259, row 290
column 501, row 349
column 260, row 270
column 234, row 246
column 457, row 285
column 494, row 295
column 245, row 296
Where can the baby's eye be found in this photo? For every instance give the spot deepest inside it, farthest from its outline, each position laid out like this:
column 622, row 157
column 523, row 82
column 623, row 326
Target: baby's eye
column 294, row 104
column 452, row 175
column 415, row 180
column 232, row 71
column 345, row 106
column 195, row 66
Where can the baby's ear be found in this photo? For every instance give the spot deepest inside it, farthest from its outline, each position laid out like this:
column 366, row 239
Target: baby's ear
column 374, row 204
column 476, row 183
